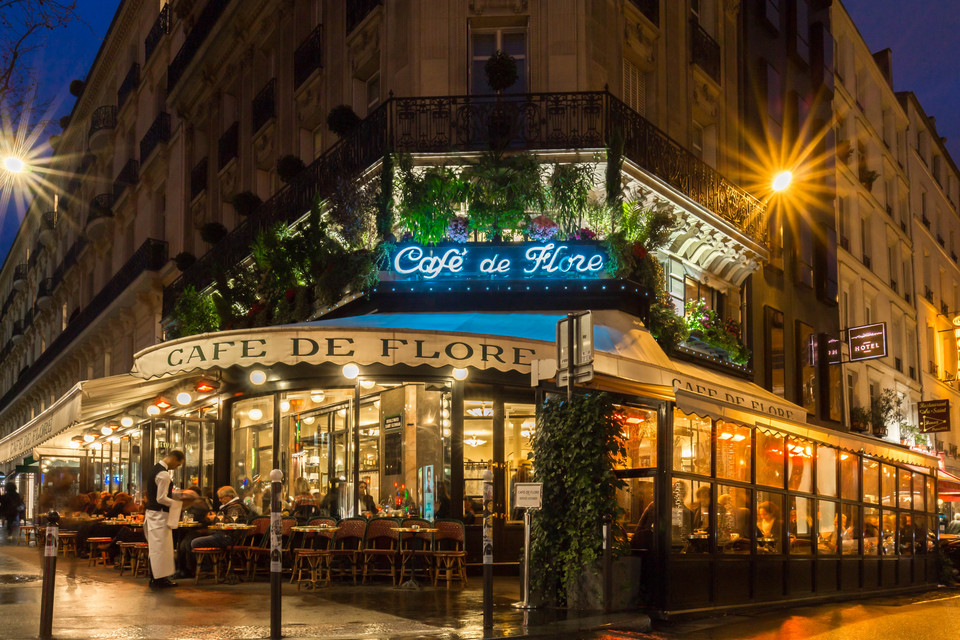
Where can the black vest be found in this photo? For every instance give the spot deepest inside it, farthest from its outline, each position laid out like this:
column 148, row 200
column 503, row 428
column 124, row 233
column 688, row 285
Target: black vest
column 151, row 482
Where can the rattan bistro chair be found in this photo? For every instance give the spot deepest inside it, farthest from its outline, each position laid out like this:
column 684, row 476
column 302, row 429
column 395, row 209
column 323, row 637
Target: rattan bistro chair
column 380, row 548
column 448, row 554
column 344, row 554
column 309, row 556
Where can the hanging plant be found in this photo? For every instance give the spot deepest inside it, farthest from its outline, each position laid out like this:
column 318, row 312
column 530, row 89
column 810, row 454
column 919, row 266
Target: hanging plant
column 184, row 260
column 77, row 87
column 569, row 190
column 501, row 70
column 343, row 120
column 64, row 122
column 245, row 203
column 385, row 202
column 289, row 167
column 213, row 232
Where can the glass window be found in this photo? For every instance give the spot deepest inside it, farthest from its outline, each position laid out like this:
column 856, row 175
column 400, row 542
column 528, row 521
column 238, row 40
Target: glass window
column 826, row 471
column 734, row 529
column 639, row 437
column 513, row 42
column 888, row 486
column 806, row 338
column 921, row 542
column 734, row 448
column 931, row 503
column 520, row 423
column 906, row 533
column 850, row 534
column 769, row 522
column 888, row 531
column 849, row 476
column 690, row 516
column 829, row 529
column 918, row 491
column 477, row 450
column 871, row 480
column 799, row 465
column 252, row 457
column 769, row 459
column 871, row 531
column 905, row 493
column 691, row 443
column 775, row 355
column 800, row 525
column 639, row 512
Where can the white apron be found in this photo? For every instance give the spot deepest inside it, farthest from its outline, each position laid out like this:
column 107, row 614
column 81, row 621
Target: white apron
column 160, row 541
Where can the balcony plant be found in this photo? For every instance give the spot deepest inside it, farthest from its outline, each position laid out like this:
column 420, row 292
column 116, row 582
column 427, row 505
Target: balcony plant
column 77, row 87
column 568, row 188
column 194, row 313
column 501, row 71
column 213, row 232
column 289, row 167
column 706, row 326
column 503, row 189
column 184, row 260
column 859, row 419
column 429, row 199
column 343, row 120
column 245, row 203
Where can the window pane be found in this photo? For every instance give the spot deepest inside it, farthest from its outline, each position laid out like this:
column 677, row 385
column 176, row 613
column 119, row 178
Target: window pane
column 514, row 43
column 871, row 480
column 477, row 450
column 484, row 44
column 888, row 531
column 252, row 449
column 906, row 534
column 639, row 436
column 640, row 515
column 871, row 531
column 769, row 459
column 733, row 451
column 800, row 526
column 690, row 520
column 799, row 466
column 734, row 528
column 931, row 503
column 520, row 422
column 921, row 542
column 769, row 522
column 905, row 493
column 829, row 529
column 826, row 471
column 850, row 535
column 849, row 476
column 478, row 78
column 888, row 486
column 691, row 443
column 918, row 491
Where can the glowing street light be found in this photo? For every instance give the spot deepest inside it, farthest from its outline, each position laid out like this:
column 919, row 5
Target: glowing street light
column 782, row 180
column 14, row 164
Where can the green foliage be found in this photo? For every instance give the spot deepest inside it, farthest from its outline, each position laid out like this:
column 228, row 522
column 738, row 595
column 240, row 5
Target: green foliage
column 722, row 333
column 193, row 313
column 213, row 232
column 614, row 179
column 429, row 199
column 385, row 204
column 576, row 445
column 352, row 208
column 859, row 418
column 569, row 193
column 501, row 70
column 666, row 325
column 504, row 189
column 342, row 120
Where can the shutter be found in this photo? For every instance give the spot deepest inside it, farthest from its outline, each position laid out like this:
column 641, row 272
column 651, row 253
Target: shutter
column 634, row 87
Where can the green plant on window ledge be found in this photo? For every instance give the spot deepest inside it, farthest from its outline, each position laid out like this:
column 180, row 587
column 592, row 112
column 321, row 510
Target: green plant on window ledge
column 707, row 326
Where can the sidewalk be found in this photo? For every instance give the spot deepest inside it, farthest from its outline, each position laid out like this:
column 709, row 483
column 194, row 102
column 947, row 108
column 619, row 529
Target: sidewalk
column 96, row 603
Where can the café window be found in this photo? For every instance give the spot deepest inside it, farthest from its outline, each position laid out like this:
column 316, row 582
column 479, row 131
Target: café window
column 477, row 449
column 849, row 476
column 800, row 465
column 906, row 533
column 691, row 513
column 850, row 536
column 640, row 514
column 691, row 447
column 520, row 424
column 904, row 491
column 871, row 481
column 769, row 522
column 800, row 525
column 734, row 526
column 871, row 531
column 888, row 486
column 734, row 450
column 639, row 437
column 888, row 532
column 826, row 471
column 769, row 459
column 806, row 367
column 252, row 458
column 483, row 43
column 829, row 528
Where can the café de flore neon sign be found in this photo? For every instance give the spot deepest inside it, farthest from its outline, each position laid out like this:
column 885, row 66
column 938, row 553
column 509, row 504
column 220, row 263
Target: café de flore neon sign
column 577, row 259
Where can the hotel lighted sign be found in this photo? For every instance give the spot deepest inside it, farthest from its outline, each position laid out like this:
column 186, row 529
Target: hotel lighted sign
column 499, row 261
column 868, row 341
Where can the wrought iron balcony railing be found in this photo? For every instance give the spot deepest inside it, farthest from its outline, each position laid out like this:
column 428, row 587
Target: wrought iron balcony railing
column 104, row 117
column 131, row 82
column 191, row 44
column 49, row 220
column 158, row 132
column 704, row 50
column 17, row 329
column 20, row 272
column 228, row 145
column 649, row 8
column 151, row 256
column 444, row 124
column 45, row 288
column 308, row 57
column 127, row 177
column 100, row 207
column 264, row 105
column 198, row 179
column 358, row 10
column 161, row 27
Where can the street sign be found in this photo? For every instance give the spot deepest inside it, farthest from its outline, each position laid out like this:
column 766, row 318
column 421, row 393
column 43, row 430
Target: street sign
column 580, row 375
column 529, row 495
column 934, row 415
column 583, row 340
column 868, row 341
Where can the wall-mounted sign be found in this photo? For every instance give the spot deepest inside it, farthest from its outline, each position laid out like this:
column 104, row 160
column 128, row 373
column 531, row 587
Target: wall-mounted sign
column 529, row 495
column 393, row 422
column 575, row 259
column 833, row 350
column 868, row 341
column 934, row 415
column 956, row 332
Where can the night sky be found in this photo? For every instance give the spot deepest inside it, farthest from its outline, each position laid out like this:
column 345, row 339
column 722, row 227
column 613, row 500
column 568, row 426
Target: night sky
column 923, row 34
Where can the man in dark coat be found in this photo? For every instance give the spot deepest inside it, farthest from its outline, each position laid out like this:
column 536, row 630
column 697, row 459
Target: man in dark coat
column 11, row 507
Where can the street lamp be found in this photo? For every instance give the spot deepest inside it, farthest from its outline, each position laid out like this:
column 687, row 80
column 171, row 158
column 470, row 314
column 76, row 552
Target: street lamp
column 782, row 180
column 14, row 164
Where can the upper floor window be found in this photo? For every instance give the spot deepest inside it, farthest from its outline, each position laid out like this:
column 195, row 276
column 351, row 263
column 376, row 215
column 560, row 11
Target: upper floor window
column 373, row 91
column 801, row 23
column 634, row 87
column 484, row 42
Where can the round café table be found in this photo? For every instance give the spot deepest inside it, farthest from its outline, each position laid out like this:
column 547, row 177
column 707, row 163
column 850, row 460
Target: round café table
column 412, row 582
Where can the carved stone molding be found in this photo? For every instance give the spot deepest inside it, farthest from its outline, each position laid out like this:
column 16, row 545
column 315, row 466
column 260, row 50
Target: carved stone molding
column 477, row 7
column 732, row 8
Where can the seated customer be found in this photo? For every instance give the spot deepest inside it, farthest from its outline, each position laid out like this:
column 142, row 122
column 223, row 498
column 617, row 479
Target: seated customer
column 232, row 510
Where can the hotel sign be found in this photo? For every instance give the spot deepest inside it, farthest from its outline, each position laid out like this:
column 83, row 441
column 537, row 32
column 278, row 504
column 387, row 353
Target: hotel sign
column 934, row 415
column 867, row 342
column 575, row 259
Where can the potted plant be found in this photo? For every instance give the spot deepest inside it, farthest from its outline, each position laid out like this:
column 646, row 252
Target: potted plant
column 213, row 232
column 184, row 260
column 342, row 120
column 246, row 202
column 289, row 167
column 501, row 70
column 76, row 87
column 859, row 419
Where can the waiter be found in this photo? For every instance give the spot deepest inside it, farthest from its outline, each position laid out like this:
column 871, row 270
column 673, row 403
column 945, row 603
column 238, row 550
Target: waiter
column 156, row 525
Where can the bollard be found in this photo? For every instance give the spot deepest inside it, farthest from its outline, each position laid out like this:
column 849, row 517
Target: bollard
column 49, row 575
column 488, row 550
column 607, row 562
column 276, row 557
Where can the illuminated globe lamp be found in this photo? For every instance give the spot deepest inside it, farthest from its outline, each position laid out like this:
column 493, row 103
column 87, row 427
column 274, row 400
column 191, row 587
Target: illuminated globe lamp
column 258, row 376
column 153, row 410
column 782, row 180
column 14, row 164
column 184, row 398
column 351, row 371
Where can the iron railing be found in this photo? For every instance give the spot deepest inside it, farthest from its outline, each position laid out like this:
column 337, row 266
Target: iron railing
column 161, row 27
column 198, row 179
column 127, row 177
column 358, row 10
column 158, row 132
column 649, row 8
column 104, row 117
column 228, row 145
column 704, row 50
column 20, row 272
column 191, row 44
column 444, row 124
column 49, row 220
column 308, row 56
column 45, row 288
column 151, row 256
column 131, row 82
column 264, row 105
column 100, row 207
column 17, row 329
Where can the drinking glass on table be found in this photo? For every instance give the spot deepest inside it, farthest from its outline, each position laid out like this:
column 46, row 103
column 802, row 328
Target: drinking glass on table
column 219, row 518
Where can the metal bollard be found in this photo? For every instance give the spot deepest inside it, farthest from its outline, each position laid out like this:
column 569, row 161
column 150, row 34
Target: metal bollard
column 607, row 562
column 49, row 575
column 276, row 558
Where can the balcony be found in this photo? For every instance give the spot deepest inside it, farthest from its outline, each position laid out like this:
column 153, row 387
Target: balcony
column 16, row 336
column 131, row 82
column 48, row 228
column 198, row 179
column 159, row 132
column 227, row 146
column 161, row 27
column 264, row 105
column 867, row 262
column 191, row 44
column 45, row 293
column 925, row 220
column 99, row 216
column 102, row 122
column 940, row 240
column 928, row 294
column 308, row 57
column 128, row 176
column 20, row 276
column 944, row 309
column 649, row 8
column 151, row 256
column 358, row 10
column 704, row 50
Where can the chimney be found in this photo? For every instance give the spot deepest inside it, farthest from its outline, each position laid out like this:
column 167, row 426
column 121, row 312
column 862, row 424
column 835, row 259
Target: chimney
column 884, row 60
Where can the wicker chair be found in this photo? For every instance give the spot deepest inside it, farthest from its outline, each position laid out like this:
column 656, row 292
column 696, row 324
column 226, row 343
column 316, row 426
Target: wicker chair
column 344, row 554
column 380, row 542
column 448, row 554
column 309, row 556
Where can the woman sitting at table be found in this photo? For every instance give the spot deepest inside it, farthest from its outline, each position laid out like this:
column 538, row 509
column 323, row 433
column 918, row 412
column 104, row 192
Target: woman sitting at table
column 768, row 524
column 305, row 504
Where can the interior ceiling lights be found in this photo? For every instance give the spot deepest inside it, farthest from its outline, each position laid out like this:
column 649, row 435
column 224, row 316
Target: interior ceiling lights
column 205, row 386
column 162, row 404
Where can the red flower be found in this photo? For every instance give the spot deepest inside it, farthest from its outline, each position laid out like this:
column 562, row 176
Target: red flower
column 290, row 294
column 639, row 251
column 256, row 308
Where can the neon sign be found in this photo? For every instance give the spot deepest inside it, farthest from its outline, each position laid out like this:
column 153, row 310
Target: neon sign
column 502, row 261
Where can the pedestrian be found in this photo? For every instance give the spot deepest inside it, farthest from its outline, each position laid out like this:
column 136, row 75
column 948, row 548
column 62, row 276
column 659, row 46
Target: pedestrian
column 954, row 526
column 11, row 506
column 161, row 496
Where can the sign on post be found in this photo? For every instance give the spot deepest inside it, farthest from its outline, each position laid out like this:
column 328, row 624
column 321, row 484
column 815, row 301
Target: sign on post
column 868, row 341
column 529, row 495
column 934, row 415
column 575, row 360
